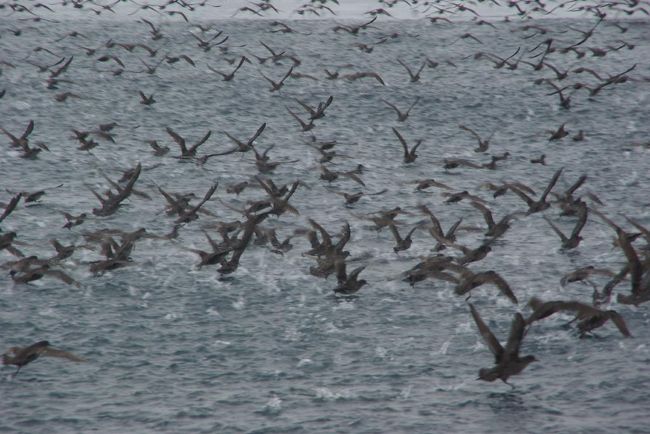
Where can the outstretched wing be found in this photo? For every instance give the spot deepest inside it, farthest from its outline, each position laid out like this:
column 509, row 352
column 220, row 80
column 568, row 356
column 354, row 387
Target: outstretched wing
column 489, row 338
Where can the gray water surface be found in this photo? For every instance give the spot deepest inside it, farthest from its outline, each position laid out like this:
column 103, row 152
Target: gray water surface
column 176, row 349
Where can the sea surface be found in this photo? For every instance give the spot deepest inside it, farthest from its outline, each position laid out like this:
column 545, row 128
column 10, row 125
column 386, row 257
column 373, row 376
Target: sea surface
column 173, row 348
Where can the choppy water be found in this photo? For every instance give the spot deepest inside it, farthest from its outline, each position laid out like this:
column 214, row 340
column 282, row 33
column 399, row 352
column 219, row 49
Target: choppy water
column 173, row 348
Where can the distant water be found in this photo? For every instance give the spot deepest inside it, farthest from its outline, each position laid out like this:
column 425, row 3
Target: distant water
column 176, row 349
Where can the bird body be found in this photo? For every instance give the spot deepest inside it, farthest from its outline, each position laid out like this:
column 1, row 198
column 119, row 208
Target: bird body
column 21, row 356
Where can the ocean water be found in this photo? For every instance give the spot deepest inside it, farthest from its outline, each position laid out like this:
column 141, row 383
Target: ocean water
column 173, row 348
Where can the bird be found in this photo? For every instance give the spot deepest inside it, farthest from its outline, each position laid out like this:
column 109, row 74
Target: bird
column 409, row 155
column 112, row 201
column 241, row 146
column 423, row 184
column 22, row 141
column 401, row 243
column 470, row 280
column 21, row 356
column 494, row 230
column 348, row 284
column 584, row 273
column 483, row 144
column 72, row 220
column 401, row 116
column 229, row 76
column 180, row 141
column 303, row 125
column 639, row 276
column 589, row 317
column 414, row 77
column 507, row 360
column 558, row 134
column 354, row 29
column 31, row 274
column 319, row 111
column 364, row 74
column 575, row 238
column 539, row 204
column 277, row 85
column 146, row 100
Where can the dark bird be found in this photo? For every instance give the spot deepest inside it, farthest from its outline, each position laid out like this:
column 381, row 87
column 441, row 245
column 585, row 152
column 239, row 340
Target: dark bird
column 189, row 214
column 319, row 111
column 146, row 100
column 28, row 275
column 277, row 85
column 303, row 125
column 22, row 141
column 409, row 155
column 351, row 199
column 348, row 284
column 495, row 229
column 414, row 77
column 112, row 201
column 508, row 362
column 401, row 243
column 330, row 175
column 367, row 74
column 483, row 144
column 21, row 356
column 231, row 75
column 539, row 204
column 72, row 220
column 423, row 184
column 354, row 29
column 243, row 146
column 589, row 317
column 575, row 238
column 185, row 151
column 559, row 133
column 639, row 276
column 584, row 273
column 470, row 280
column 158, row 150
column 401, row 116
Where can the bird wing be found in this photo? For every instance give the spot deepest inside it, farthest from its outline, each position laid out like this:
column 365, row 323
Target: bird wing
column 618, row 320
column 582, row 220
column 556, row 230
column 355, row 273
column 311, row 111
column 178, row 139
column 434, row 220
column 551, row 184
column 489, row 338
column 28, row 130
column 53, row 352
column 11, row 206
column 353, row 177
column 200, row 142
column 500, row 283
column 327, row 239
column 402, row 141
column 516, row 335
column 62, row 276
column 341, row 274
column 393, row 230
column 257, row 133
column 636, row 269
column 487, row 214
column 471, row 131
